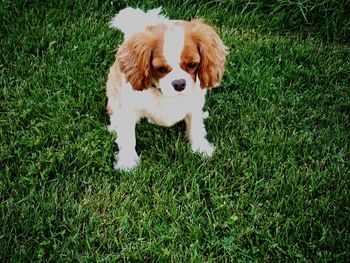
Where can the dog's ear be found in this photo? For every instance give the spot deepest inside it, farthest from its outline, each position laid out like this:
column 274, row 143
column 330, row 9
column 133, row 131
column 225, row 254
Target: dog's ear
column 212, row 52
column 134, row 58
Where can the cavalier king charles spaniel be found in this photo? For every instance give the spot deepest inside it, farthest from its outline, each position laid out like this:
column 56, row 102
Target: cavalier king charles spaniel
column 161, row 72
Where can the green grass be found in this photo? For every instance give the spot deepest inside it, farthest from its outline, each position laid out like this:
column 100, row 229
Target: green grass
column 277, row 188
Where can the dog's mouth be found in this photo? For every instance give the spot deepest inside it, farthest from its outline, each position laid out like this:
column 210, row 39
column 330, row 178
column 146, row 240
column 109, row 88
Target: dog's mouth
column 154, row 85
column 171, row 93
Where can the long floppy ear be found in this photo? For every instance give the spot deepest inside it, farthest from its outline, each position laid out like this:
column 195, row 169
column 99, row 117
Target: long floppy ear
column 134, row 57
column 213, row 54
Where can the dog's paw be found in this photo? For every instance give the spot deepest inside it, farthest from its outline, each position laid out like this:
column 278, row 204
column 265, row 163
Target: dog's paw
column 126, row 161
column 204, row 148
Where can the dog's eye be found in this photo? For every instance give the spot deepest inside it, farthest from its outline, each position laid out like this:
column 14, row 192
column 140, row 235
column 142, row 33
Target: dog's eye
column 192, row 65
column 162, row 70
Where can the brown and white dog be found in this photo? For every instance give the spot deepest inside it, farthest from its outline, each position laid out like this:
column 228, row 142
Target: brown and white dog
column 162, row 72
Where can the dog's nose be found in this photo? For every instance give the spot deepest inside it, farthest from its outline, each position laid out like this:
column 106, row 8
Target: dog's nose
column 179, row 84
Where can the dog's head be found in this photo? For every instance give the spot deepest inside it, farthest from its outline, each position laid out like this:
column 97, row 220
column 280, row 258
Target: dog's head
column 173, row 56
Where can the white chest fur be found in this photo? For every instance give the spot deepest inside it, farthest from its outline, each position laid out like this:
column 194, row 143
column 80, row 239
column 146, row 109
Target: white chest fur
column 161, row 109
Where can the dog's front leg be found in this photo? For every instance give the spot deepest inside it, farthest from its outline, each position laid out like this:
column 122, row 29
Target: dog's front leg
column 123, row 123
column 196, row 133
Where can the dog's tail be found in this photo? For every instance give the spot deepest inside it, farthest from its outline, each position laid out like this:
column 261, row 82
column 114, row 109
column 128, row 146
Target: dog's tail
column 131, row 20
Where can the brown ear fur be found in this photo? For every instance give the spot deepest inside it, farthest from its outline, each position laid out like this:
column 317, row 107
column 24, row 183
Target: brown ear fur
column 134, row 57
column 213, row 54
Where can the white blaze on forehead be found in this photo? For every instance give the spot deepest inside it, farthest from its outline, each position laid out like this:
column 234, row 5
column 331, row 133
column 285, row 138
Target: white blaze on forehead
column 174, row 40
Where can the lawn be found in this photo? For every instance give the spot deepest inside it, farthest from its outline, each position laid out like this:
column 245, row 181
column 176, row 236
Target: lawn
column 276, row 190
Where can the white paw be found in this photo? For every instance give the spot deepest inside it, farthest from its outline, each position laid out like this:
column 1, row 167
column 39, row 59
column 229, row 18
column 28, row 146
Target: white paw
column 126, row 161
column 204, row 147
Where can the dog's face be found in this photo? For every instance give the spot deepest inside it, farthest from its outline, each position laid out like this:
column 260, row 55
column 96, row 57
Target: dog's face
column 173, row 57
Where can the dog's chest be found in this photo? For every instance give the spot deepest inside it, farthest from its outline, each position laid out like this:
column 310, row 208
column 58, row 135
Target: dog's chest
column 166, row 111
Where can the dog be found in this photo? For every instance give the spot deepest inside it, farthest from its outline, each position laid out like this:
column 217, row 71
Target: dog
column 162, row 72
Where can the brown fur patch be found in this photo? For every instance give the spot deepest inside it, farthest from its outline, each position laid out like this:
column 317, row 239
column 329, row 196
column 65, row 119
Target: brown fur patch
column 202, row 39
